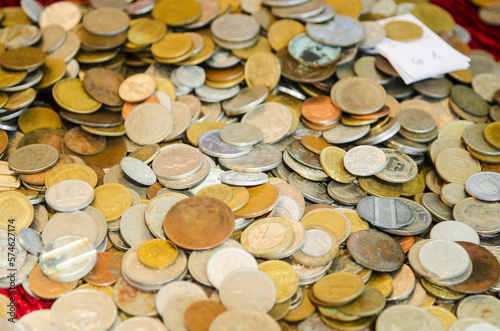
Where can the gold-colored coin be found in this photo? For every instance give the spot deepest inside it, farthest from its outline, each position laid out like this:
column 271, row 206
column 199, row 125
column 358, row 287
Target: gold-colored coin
column 329, row 218
column 293, row 105
column 484, row 158
column 115, row 131
column 280, row 310
column 357, row 223
column 446, row 317
column 359, row 324
column 172, row 46
column 195, row 131
column 276, row 180
column 435, row 17
column 53, row 70
column 284, row 277
column 349, row 121
column 413, row 187
column 30, row 194
column 21, row 99
column 112, row 200
column 15, row 16
column 37, row 118
column 240, row 198
column 282, row 31
column 25, row 58
column 203, row 55
column 377, row 187
column 255, row 238
column 165, row 85
column 221, row 192
column 463, row 76
column 332, row 161
column 88, row 57
column 226, row 84
column 403, row 31
column 263, row 68
column 261, row 45
column 382, row 282
column 177, row 12
column 483, row 3
column 338, row 288
column 305, row 309
column 157, row 253
column 72, row 171
column 10, row 78
column 263, row 199
column 440, row 292
column 146, row 31
column 351, row 8
column 314, row 144
column 108, row 290
column 70, row 95
column 16, row 211
column 492, row 134
column 428, row 301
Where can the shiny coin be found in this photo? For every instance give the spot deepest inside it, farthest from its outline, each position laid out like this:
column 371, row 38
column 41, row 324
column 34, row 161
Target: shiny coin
column 30, row 240
column 432, row 256
column 396, row 213
column 70, row 94
column 69, row 195
column 243, row 179
column 364, row 160
column 454, row 231
column 228, row 27
column 218, row 268
column 67, row 15
column 157, row 253
column 138, row 171
column 484, row 186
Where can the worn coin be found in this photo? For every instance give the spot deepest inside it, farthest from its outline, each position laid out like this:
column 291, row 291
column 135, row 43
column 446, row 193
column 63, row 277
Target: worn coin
column 341, row 31
column 456, row 165
column 481, row 216
column 454, row 231
column 69, row 195
column 364, row 160
column 385, row 212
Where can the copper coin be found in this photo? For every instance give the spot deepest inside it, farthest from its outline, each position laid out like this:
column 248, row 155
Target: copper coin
column 115, row 151
column 107, row 270
column 84, row 143
column 318, row 127
column 102, row 84
column 100, row 173
column 153, row 189
column 379, row 114
column 200, row 315
column 99, row 119
column 385, row 66
column 39, row 178
column 128, row 106
column 496, row 97
column 224, row 75
column 263, row 198
column 490, row 167
column 375, row 250
column 406, row 242
column 314, row 144
column 4, row 141
column 199, row 223
column 294, row 70
column 320, row 110
column 485, row 270
column 47, row 136
column 46, row 288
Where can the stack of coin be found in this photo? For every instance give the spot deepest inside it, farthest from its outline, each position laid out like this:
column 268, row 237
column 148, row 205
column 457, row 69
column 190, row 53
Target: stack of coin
column 228, row 33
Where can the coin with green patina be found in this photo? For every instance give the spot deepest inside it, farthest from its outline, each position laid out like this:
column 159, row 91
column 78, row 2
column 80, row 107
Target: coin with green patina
column 311, row 52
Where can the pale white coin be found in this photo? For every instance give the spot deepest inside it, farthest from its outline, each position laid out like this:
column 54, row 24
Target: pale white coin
column 141, row 323
column 244, row 319
column 69, row 195
column 138, row 171
column 84, row 310
column 133, row 228
column 454, row 231
column 482, row 327
column 65, row 14
column 168, row 293
column 272, row 118
column 156, row 210
column 463, row 323
column 318, row 243
column 149, row 123
column 36, row 318
column 76, row 223
column 211, row 94
column 191, row 76
column 481, row 306
column 243, row 178
column 289, row 205
column 249, row 289
column 225, row 261
column 164, row 99
column 173, row 314
column 182, row 119
column 364, row 160
column 405, row 317
column 444, row 259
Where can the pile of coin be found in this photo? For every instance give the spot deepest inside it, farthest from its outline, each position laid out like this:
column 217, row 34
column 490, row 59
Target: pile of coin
column 199, row 165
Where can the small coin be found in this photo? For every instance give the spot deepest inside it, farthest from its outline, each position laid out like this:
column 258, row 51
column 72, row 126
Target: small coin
column 364, row 160
column 403, row 31
column 69, row 195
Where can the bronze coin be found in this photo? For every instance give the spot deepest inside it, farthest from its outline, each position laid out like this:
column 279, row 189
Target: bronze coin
column 314, row 144
column 224, row 75
column 485, row 270
column 128, row 106
column 99, row 119
column 496, row 97
column 111, row 155
column 318, row 127
column 199, row 223
column 490, row 167
column 106, row 271
column 46, row 288
column 102, row 84
column 83, row 143
column 200, row 315
column 375, row 250
column 100, row 173
column 94, row 42
column 4, row 141
column 320, row 110
column 39, row 178
column 385, row 66
column 48, row 136
column 263, row 199
column 379, row 114
column 153, row 189
column 406, row 242
column 294, row 70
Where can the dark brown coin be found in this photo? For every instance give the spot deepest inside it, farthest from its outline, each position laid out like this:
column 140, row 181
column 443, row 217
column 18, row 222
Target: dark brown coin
column 200, row 315
column 375, row 250
column 4, row 141
column 94, row 42
column 224, row 75
column 468, row 100
column 84, row 143
column 100, row 173
column 294, row 70
column 153, row 189
column 115, row 151
column 107, row 270
column 102, row 84
column 385, row 66
column 47, row 136
column 303, row 155
column 485, row 270
column 39, row 178
column 99, row 119
column 320, row 110
column 496, row 97
column 199, row 223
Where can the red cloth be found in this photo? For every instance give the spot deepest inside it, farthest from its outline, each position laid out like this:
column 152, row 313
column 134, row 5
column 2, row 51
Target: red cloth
column 25, row 303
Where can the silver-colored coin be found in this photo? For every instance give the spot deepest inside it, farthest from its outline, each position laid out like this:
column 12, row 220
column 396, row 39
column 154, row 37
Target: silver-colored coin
column 397, row 88
column 380, row 135
column 262, row 157
column 483, row 307
column 223, row 58
column 341, row 31
column 212, row 178
column 227, row 260
column 173, row 315
column 211, row 144
column 313, row 191
column 40, row 218
column 69, row 195
column 241, row 134
column 318, row 243
column 168, row 293
column 133, row 228
column 342, row 134
column 282, row 3
column 399, row 167
column 177, row 161
column 434, row 87
column 453, row 193
column 191, row 76
column 349, row 194
column 117, row 175
column 33, row 158
column 182, row 119
column 117, row 241
column 484, row 186
column 406, row 146
column 149, row 123
column 484, row 217
column 454, row 231
column 385, row 212
column 304, row 171
column 247, row 99
column 98, row 308
column 210, row 94
column 474, row 139
column 408, row 317
column 243, row 178
column 486, row 84
column 421, row 222
column 245, row 319
column 301, row 11
column 138, row 322
column 444, row 259
column 138, row 171
column 364, row 160
column 235, row 27
column 327, row 14
column 30, row 240
column 289, row 206
column 416, row 120
column 419, row 137
column 189, row 181
column 432, row 201
column 68, row 258
column 65, row 14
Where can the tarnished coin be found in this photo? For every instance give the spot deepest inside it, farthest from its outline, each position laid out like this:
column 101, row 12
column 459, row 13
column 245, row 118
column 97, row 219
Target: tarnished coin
column 102, row 84
column 364, row 160
column 484, row 186
column 404, row 316
column 341, row 31
column 177, row 161
column 305, row 50
column 241, row 134
column 433, row 202
column 69, row 195
column 349, row 194
column 385, row 212
column 211, row 144
column 313, row 191
column 262, row 157
column 33, row 158
column 149, row 123
column 246, row 99
column 84, row 143
column 106, row 21
column 345, row 134
column 456, row 165
column 347, row 92
column 133, row 227
column 416, row 120
column 481, row 216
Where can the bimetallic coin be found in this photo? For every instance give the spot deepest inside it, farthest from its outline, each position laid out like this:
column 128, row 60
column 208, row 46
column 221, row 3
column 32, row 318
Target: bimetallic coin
column 364, row 160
